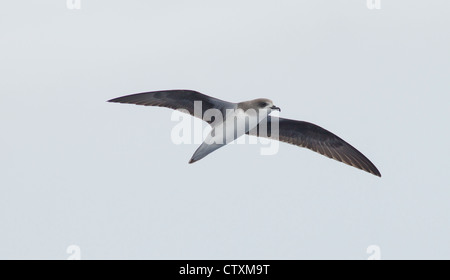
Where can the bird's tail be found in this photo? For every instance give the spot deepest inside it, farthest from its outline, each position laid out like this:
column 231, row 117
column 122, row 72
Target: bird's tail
column 204, row 150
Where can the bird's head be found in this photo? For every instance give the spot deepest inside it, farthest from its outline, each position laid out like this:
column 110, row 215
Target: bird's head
column 262, row 104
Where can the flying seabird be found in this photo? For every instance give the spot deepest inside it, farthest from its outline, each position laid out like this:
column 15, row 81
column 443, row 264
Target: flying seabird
column 299, row 133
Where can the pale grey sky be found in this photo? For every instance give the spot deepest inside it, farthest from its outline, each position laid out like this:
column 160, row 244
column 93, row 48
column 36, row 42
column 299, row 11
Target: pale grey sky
column 107, row 177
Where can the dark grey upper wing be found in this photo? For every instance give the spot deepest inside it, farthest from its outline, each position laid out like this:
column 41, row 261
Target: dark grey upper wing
column 315, row 138
column 176, row 99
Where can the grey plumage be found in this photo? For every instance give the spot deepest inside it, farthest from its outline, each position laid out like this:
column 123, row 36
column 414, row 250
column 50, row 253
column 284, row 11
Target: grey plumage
column 299, row 133
column 317, row 139
column 176, row 99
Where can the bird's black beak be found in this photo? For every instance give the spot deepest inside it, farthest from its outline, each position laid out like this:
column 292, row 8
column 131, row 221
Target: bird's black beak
column 275, row 108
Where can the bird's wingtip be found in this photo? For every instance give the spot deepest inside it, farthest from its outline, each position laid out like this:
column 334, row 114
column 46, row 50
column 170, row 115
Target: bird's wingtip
column 376, row 173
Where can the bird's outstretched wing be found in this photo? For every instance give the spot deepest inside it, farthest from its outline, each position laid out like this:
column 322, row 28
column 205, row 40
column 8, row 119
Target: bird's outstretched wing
column 313, row 137
column 177, row 99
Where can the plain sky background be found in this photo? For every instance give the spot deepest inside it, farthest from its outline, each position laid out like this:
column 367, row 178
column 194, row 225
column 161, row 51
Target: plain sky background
column 76, row 170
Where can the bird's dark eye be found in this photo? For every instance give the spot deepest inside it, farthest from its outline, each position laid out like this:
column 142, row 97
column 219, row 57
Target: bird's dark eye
column 263, row 104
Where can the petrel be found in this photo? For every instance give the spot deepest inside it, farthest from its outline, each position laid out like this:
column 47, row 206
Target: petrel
column 299, row 133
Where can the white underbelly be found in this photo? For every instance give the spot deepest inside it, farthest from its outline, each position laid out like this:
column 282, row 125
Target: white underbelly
column 236, row 124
